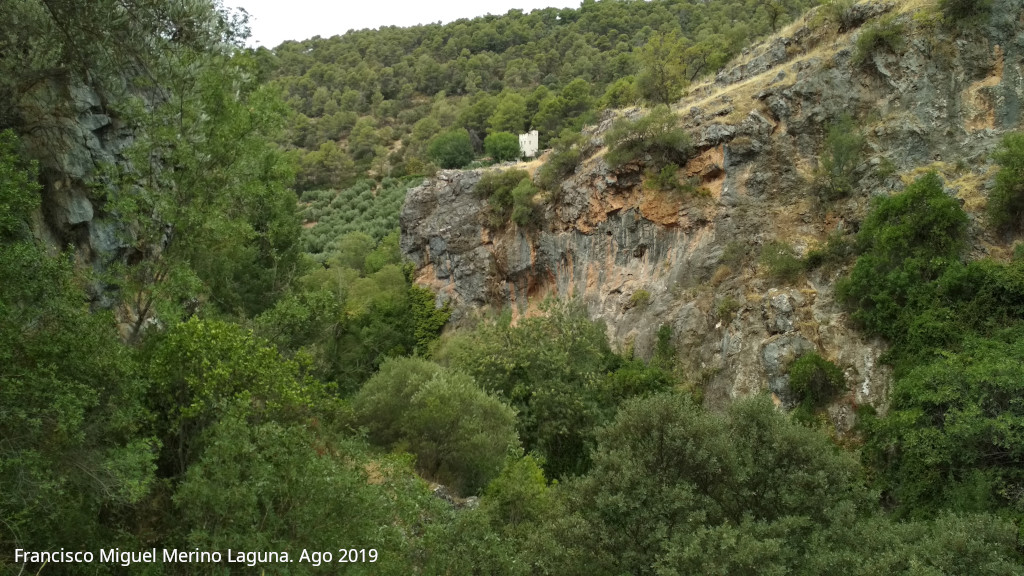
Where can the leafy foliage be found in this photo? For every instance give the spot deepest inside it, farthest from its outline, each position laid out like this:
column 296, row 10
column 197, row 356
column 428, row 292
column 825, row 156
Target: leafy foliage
column 356, row 310
column 841, row 158
column 201, row 367
column 451, row 149
column 669, row 479
column 964, row 10
column 459, row 434
column 1006, row 202
column 18, row 188
column 948, row 440
column 814, row 380
column 258, row 486
column 502, row 146
column 656, row 135
column 74, row 447
column 663, row 73
column 510, row 195
column 548, row 369
column 906, row 242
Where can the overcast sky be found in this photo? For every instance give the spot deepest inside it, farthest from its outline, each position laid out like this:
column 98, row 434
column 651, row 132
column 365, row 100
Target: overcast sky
column 274, row 21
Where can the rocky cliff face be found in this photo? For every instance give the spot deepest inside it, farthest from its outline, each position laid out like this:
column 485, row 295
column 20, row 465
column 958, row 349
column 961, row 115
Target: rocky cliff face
column 70, row 129
column 641, row 259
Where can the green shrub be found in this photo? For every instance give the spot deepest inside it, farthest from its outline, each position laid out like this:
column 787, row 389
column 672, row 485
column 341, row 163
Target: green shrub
column 906, row 242
column 509, row 195
column 735, row 254
column 840, row 159
column 546, row 367
column 451, row 149
column 664, row 180
column 640, row 299
column 19, row 191
column 524, row 210
column 566, row 154
column 781, row 261
column 459, row 434
column 657, row 135
column 814, row 380
column 886, row 34
column 964, row 10
column 621, row 93
column 1006, row 202
column 496, row 186
column 949, row 418
column 726, row 309
column 502, row 146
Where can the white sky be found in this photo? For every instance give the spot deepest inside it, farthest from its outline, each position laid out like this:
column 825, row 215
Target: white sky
column 274, row 21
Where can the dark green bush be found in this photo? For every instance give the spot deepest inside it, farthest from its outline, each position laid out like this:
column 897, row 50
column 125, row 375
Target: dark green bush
column 1006, row 202
column 451, row 149
column 964, row 10
column 906, row 243
column 547, row 367
column 840, row 12
column 19, row 192
column 524, row 210
column 496, row 186
column 814, row 380
column 657, row 135
column 946, row 439
column 502, row 146
column 460, row 434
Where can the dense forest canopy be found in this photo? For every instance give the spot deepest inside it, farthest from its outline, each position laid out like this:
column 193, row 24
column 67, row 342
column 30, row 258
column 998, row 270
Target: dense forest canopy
column 222, row 380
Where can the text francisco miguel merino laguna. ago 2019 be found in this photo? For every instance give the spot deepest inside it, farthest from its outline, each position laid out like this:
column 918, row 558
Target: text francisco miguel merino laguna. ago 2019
column 127, row 558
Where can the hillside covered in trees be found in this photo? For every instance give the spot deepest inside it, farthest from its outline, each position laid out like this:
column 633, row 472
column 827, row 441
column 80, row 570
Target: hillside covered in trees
column 369, row 102
column 187, row 366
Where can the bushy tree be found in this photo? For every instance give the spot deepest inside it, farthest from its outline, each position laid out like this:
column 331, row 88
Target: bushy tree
column 948, row 440
column 509, row 195
column 270, row 486
column 459, row 434
column 815, row 380
column 675, row 489
column 960, row 10
column 200, row 367
column 502, row 146
column 451, row 149
column 546, row 367
column 662, row 71
column 567, row 152
column 906, row 242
